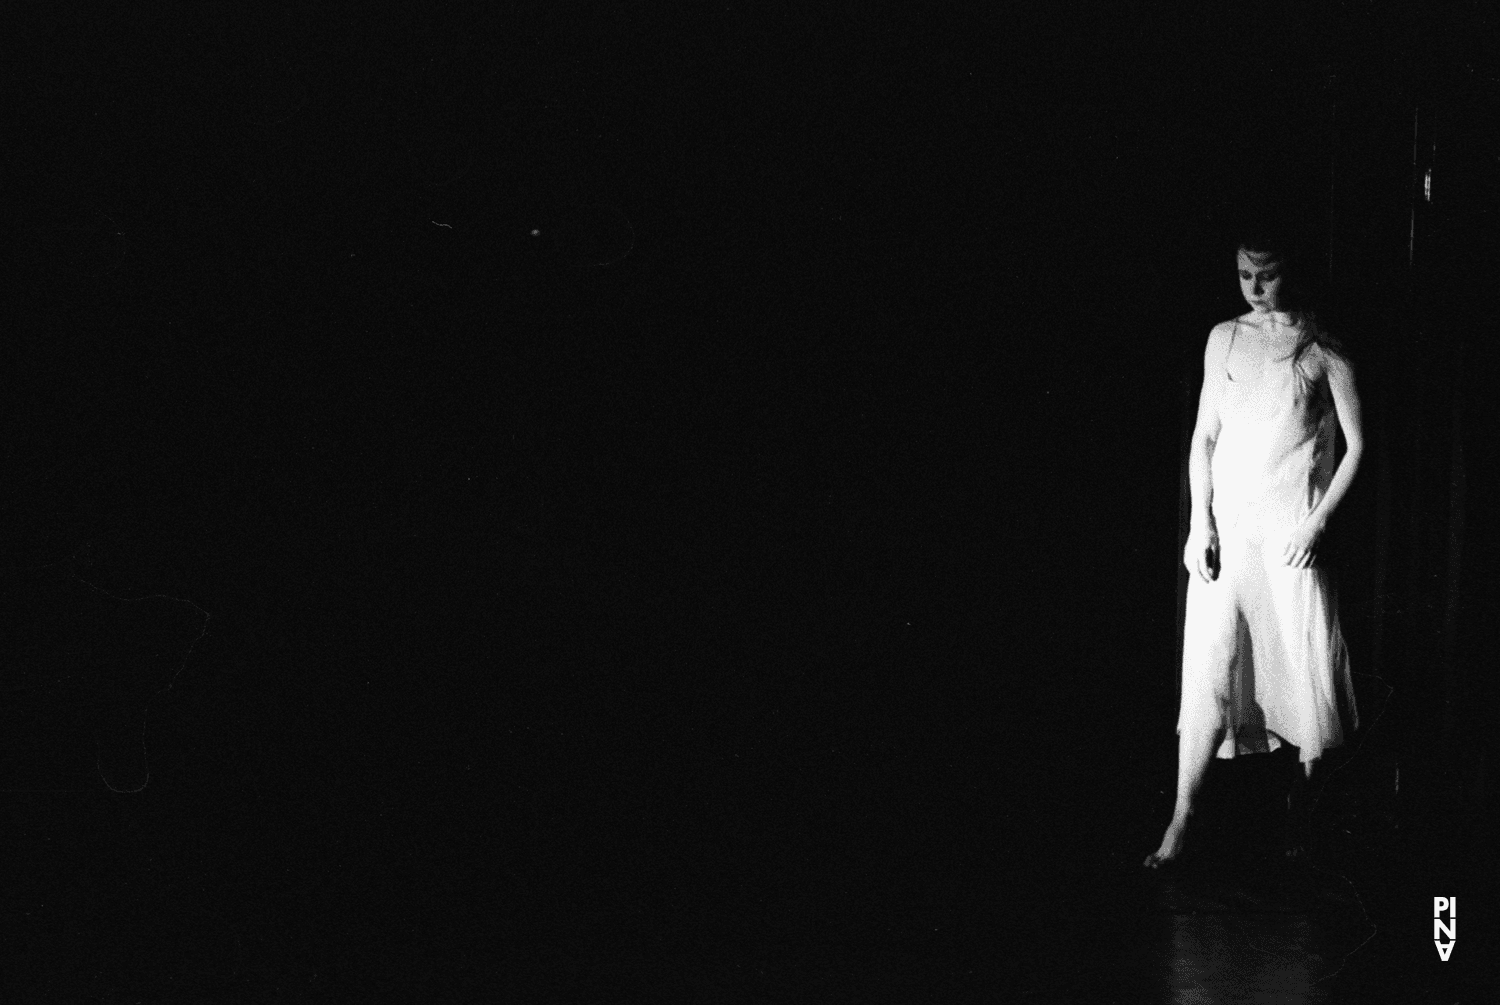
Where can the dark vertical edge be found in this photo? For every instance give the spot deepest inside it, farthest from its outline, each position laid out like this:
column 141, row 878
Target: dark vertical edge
column 1333, row 160
column 1413, row 451
column 1453, row 676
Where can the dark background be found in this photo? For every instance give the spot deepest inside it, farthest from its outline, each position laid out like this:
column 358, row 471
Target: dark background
column 709, row 470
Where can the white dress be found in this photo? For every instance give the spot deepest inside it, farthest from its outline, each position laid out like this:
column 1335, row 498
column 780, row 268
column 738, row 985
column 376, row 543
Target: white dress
column 1262, row 650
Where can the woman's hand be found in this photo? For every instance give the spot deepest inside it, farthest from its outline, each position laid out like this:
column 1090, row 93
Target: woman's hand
column 1202, row 553
column 1302, row 547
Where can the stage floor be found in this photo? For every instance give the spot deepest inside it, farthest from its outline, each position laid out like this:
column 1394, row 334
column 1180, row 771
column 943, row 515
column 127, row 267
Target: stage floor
column 338, row 803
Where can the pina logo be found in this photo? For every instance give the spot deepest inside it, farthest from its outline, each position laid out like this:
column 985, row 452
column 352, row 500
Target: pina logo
column 1441, row 928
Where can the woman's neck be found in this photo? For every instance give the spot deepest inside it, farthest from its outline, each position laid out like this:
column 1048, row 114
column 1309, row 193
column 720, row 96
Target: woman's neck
column 1277, row 319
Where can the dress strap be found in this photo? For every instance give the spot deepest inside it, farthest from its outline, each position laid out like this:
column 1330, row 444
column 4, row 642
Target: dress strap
column 1230, row 350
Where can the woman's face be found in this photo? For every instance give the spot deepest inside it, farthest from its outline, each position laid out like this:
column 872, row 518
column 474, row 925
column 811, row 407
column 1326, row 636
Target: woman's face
column 1260, row 280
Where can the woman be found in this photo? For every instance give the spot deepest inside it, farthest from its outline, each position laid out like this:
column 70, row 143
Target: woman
column 1264, row 662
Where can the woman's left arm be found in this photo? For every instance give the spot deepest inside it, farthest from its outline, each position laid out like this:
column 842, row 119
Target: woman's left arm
column 1346, row 405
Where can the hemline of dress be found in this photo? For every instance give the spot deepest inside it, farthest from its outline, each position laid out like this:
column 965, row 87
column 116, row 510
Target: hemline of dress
column 1243, row 744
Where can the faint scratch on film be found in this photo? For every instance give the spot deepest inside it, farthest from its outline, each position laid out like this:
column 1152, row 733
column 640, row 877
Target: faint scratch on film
column 1374, row 929
column 146, row 712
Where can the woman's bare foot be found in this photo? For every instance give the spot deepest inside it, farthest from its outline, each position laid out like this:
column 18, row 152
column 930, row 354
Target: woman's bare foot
column 1171, row 845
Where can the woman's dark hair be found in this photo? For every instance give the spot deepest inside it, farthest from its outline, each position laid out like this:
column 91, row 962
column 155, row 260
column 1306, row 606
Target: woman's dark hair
column 1298, row 292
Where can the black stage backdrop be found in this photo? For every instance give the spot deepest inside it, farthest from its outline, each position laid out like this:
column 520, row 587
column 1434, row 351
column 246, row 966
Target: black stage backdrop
column 660, row 461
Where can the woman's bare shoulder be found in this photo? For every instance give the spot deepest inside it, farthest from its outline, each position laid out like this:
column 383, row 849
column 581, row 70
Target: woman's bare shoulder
column 1329, row 363
column 1226, row 328
column 1218, row 337
column 1332, row 356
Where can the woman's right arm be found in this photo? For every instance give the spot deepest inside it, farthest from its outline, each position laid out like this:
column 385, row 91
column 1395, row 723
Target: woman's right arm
column 1203, row 539
column 1206, row 430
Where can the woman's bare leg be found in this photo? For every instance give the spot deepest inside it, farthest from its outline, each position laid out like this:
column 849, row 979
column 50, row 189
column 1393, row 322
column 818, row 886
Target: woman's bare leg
column 1195, row 750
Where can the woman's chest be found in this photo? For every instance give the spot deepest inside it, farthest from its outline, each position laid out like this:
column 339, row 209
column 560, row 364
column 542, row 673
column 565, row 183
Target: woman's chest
column 1252, row 358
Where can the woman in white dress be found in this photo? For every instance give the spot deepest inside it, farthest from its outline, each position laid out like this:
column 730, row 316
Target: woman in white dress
column 1264, row 662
